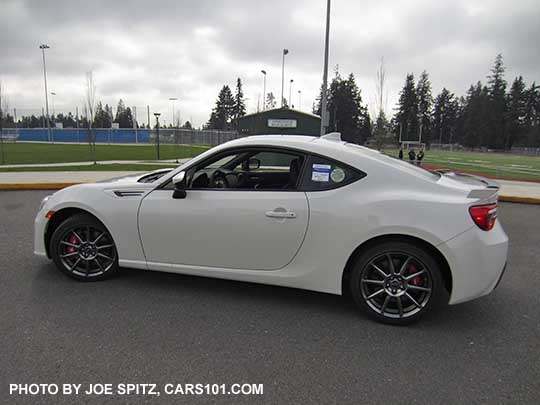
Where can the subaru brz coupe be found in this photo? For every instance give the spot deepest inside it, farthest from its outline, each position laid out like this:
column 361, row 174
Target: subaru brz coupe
column 296, row 211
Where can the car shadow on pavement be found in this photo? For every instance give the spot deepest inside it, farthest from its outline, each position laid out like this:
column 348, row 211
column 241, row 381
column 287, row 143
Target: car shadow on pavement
column 172, row 288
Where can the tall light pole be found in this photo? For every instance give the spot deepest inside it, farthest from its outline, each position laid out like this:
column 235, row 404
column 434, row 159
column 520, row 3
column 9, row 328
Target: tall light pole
column 43, row 47
column 285, row 52
column 52, row 101
column 173, row 99
column 299, row 100
column 290, row 92
column 324, row 112
column 157, row 132
column 264, row 89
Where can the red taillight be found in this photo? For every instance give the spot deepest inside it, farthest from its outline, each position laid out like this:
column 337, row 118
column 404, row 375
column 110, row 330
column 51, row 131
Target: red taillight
column 484, row 215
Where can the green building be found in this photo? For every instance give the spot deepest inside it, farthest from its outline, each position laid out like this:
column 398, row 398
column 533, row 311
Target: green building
column 280, row 121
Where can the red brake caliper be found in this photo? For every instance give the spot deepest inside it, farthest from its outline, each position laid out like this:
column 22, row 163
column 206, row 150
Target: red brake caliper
column 416, row 280
column 73, row 239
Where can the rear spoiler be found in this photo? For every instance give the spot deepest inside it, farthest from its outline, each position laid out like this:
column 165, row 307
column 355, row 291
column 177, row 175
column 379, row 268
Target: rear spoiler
column 492, row 187
column 488, row 182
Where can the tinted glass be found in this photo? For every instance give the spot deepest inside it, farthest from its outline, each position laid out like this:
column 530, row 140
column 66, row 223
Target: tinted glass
column 324, row 174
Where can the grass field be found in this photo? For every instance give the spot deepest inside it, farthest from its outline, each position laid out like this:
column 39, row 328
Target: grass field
column 498, row 165
column 90, row 168
column 32, row 153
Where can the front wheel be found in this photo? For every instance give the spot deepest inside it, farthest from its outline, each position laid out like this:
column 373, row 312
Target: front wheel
column 83, row 248
column 396, row 282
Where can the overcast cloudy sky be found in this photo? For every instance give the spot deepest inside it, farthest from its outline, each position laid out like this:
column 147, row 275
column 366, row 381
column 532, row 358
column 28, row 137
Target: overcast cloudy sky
column 145, row 52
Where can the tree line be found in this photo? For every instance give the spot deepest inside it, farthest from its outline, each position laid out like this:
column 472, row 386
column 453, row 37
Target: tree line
column 104, row 117
column 489, row 115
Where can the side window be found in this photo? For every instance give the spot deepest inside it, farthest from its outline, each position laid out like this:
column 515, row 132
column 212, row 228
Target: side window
column 324, row 174
column 273, row 161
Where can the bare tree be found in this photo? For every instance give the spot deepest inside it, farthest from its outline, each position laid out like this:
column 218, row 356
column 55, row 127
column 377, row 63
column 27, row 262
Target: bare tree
column 379, row 88
column 90, row 107
column 381, row 123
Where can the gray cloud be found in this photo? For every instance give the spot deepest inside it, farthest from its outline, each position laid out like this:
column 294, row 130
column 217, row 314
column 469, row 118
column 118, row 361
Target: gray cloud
column 146, row 53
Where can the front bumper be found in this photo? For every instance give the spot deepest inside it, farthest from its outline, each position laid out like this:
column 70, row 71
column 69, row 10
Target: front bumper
column 477, row 260
column 40, row 227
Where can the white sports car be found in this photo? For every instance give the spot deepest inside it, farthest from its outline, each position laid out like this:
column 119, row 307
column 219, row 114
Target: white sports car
column 296, row 211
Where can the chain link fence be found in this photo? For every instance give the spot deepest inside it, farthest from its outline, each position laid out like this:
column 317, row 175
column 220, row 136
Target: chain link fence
column 111, row 135
column 182, row 136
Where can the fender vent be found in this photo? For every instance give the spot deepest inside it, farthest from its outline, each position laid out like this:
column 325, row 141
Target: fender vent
column 128, row 193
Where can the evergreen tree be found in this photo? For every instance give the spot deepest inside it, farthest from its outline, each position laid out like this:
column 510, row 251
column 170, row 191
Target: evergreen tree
column 127, row 121
column 445, row 118
column 347, row 115
column 381, row 130
column 120, row 111
column 99, row 116
column 239, row 106
column 223, row 111
column 406, row 117
column 497, row 105
column 516, row 115
column 532, row 116
column 124, row 117
column 108, row 117
column 476, row 114
column 425, row 101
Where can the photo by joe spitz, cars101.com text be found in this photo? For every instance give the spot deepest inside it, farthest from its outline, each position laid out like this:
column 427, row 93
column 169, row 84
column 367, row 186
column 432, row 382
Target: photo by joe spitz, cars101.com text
column 312, row 213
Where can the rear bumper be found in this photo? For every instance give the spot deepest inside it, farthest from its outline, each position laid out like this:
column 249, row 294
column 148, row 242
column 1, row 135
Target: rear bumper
column 477, row 261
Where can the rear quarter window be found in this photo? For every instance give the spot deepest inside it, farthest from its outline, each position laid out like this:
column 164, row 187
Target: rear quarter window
column 324, row 174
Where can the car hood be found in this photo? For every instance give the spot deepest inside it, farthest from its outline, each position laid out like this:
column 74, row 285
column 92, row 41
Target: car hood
column 135, row 179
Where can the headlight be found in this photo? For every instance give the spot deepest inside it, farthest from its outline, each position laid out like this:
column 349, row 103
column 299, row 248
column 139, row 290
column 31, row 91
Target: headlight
column 43, row 202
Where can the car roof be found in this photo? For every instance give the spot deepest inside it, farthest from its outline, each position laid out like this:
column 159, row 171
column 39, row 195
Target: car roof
column 328, row 146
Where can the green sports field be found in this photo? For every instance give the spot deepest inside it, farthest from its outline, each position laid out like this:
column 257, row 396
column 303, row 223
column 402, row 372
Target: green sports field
column 497, row 165
column 32, row 153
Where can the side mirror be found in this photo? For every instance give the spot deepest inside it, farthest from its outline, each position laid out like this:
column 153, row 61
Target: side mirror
column 179, row 181
column 254, row 164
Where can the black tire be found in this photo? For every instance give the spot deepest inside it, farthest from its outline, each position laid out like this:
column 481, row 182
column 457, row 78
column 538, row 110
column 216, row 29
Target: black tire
column 409, row 277
column 83, row 248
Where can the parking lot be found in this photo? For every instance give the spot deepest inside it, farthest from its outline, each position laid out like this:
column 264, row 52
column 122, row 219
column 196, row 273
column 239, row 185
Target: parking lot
column 148, row 327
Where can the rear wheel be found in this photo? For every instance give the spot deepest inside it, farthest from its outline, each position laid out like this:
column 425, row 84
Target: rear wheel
column 396, row 282
column 83, row 248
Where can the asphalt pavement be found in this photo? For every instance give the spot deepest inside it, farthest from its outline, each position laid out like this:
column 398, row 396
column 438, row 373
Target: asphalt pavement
column 148, row 327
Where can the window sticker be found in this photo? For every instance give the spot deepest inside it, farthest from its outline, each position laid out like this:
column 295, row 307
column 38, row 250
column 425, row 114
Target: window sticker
column 337, row 175
column 320, row 173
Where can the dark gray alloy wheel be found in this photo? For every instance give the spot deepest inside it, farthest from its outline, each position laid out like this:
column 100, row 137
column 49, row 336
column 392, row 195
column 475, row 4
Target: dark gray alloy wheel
column 83, row 248
column 397, row 283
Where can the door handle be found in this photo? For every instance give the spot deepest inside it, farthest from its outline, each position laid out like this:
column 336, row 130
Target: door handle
column 280, row 214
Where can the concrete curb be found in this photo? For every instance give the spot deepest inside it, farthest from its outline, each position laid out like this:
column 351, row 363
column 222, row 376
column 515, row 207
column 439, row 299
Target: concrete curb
column 521, row 200
column 57, row 186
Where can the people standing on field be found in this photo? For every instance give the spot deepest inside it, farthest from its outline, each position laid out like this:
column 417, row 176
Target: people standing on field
column 412, row 156
column 419, row 157
column 400, row 154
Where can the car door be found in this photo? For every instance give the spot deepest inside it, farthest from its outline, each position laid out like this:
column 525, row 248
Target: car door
column 255, row 229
